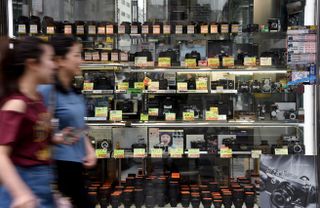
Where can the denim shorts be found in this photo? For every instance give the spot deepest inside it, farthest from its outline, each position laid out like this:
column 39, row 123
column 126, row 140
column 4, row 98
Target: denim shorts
column 39, row 180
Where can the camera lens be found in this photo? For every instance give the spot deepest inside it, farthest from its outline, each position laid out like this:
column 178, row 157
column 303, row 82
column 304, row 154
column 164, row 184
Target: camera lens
column 185, row 198
column 138, row 197
column 227, row 199
column 104, row 195
column 217, row 203
column 115, row 199
column 249, row 199
column 206, row 202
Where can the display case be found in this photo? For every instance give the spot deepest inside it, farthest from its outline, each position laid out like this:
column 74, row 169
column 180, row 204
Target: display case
column 207, row 108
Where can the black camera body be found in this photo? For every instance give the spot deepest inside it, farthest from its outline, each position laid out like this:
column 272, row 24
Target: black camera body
column 225, row 83
column 294, row 145
column 256, row 86
column 244, row 87
column 201, row 145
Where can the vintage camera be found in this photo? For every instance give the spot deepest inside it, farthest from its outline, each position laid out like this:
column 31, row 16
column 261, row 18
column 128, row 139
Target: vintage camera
column 290, row 114
column 256, row 86
column 243, row 86
column 225, row 83
column 283, row 111
column 266, row 86
column 294, row 145
column 287, row 191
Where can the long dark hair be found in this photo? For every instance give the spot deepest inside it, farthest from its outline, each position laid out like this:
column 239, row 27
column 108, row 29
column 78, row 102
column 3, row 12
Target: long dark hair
column 13, row 57
column 62, row 45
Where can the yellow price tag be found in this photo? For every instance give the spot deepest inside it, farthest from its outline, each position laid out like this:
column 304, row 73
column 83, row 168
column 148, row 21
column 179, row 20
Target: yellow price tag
column 139, row 152
column 118, row 153
column 188, row 116
column 50, row 30
column 211, row 116
column 153, row 111
column 153, row 86
column 164, row 62
column 101, row 153
column 182, row 86
column 144, row 117
column 250, row 61
column 213, row 62
column 225, row 152
column 123, row 86
column 228, row 61
column 176, row 153
column 101, row 111
column 109, row 39
column 22, row 29
column 281, row 151
column 201, row 85
column 214, row 110
column 265, row 61
column 256, row 154
column 170, row 116
column 156, row 153
column 115, row 115
column 193, row 153
column 88, row 86
column 191, row 63
column 139, row 85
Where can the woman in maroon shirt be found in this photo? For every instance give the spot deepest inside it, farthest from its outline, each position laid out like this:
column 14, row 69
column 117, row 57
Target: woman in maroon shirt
column 25, row 124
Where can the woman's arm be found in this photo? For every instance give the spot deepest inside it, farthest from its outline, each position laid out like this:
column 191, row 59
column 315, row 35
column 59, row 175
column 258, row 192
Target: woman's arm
column 90, row 159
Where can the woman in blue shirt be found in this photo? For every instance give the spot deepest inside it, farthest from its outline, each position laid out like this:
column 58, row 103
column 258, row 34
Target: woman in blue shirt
column 72, row 157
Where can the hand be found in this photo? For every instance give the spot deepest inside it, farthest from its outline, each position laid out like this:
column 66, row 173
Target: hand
column 90, row 160
column 66, row 136
column 27, row 200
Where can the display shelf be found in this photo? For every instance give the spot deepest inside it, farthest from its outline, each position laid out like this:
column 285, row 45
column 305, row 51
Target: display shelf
column 160, row 92
column 97, row 92
column 224, row 91
column 95, row 118
column 192, row 91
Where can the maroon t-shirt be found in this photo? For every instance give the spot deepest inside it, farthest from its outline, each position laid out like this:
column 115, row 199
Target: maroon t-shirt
column 28, row 134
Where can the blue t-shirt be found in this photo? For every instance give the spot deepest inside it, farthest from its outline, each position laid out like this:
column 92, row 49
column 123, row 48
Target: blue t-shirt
column 70, row 110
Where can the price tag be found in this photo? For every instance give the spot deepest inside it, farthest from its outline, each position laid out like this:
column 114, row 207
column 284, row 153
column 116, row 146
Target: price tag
column 156, row 153
column 228, row 61
column 102, row 30
column 50, row 30
column 256, row 154
column 214, row 110
column 92, row 30
column 123, row 86
column 22, row 29
column 101, row 111
column 179, row 29
column 124, row 56
column 109, row 40
column 156, row 29
column 141, row 61
column 164, row 62
column 170, row 116
column 235, row 28
column 80, row 30
column 281, row 151
column 104, row 56
column 67, row 29
column 145, row 29
column 201, row 85
column 211, row 116
column 33, row 29
column 118, row 153
column 204, row 29
column 139, row 85
column 88, row 86
column 213, row 62
column 139, row 152
column 109, row 29
column 153, row 86
column 225, row 152
column 95, row 56
column 224, row 28
column 101, row 153
column 250, row 61
column 192, row 63
column 115, row 115
column 153, row 111
column 166, row 29
column 182, row 86
column 266, row 61
column 134, row 29
column 188, row 116
column 203, row 63
column 193, row 153
column 213, row 29
column 190, row 29
column 176, row 153
column 144, row 117
column 122, row 29
column 114, row 56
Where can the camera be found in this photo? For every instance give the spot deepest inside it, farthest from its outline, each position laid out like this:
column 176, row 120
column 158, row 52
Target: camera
column 140, row 144
column 127, row 106
column 294, row 145
column 261, row 112
column 283, row 111
column 201, row 145
column 255, row 86
column 102, row 82
column 290, row 114
column 192, row 83
column 104, row 144
column 225, row 83
column 243, row 86
column 266, row 86
column 230, row 142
